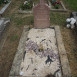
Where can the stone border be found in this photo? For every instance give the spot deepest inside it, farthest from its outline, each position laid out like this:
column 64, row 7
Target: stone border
column 19, row 54
column 3, row 24
column 58, row 10
column 66, row 72
column 54, row 10
column 3, row 27
column 4, row 8
column 25, row 12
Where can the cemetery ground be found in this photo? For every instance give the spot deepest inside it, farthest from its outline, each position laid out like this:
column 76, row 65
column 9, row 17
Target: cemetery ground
column 14, row 31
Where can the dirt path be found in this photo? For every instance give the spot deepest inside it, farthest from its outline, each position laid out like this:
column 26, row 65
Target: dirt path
column 9, row 49
column 14, row 33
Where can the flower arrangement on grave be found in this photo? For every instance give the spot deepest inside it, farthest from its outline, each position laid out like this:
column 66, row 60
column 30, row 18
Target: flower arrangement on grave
column 56, row 3
column 28, row 4
column 4, row 1
column 40, row 50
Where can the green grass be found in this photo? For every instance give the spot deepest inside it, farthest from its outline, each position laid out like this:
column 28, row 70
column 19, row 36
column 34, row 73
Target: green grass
column 23, row 21
column 58, row 18
column 18, row 20
column 55, row 19
column 72, row 4
column 14, row 37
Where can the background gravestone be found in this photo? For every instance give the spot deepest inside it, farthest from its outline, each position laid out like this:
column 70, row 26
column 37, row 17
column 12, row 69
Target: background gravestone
column 41, row 15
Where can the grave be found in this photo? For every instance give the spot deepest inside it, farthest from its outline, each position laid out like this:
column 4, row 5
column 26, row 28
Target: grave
column 62, row 9
column 41, row 54
column 41, row 15
column 26, row 11
column 41, row 51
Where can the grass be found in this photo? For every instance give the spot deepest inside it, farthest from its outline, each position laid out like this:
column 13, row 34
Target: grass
column 58, row 18
column 55, row 18
column 23, row 21
column 72, row 4
column 14, row 37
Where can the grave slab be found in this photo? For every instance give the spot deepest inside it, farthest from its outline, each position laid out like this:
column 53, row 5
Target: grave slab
column 38, row 54
column 41, row 54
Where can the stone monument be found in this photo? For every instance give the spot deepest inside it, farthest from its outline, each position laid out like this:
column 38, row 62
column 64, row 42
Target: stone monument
column 41, row 15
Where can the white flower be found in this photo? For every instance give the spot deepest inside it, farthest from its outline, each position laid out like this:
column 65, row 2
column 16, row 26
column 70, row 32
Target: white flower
column 25, row 2
column 73, row 21
column 68, row 20
column 68, row 25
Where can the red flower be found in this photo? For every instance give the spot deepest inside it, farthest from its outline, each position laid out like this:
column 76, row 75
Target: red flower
column 57, row 2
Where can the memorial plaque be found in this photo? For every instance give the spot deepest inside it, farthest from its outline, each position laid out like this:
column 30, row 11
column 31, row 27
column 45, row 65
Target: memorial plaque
column 41, row 15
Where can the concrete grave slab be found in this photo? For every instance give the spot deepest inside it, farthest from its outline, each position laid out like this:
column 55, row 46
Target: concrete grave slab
column 41, row 54
column 34, row 60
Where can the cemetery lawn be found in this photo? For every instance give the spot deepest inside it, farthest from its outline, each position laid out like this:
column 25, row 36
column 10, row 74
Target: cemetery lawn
column 18, row 21
column 72, row 4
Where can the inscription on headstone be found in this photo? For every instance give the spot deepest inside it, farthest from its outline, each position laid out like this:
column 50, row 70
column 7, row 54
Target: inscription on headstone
column 41, row 15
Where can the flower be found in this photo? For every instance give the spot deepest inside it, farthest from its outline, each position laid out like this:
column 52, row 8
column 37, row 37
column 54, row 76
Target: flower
column 25, row 2
column 57, row 2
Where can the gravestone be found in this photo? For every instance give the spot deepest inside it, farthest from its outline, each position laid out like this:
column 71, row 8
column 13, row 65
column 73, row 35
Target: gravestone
column 41, row 15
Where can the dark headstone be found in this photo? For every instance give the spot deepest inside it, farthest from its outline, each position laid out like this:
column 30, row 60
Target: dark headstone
column 41, row 15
